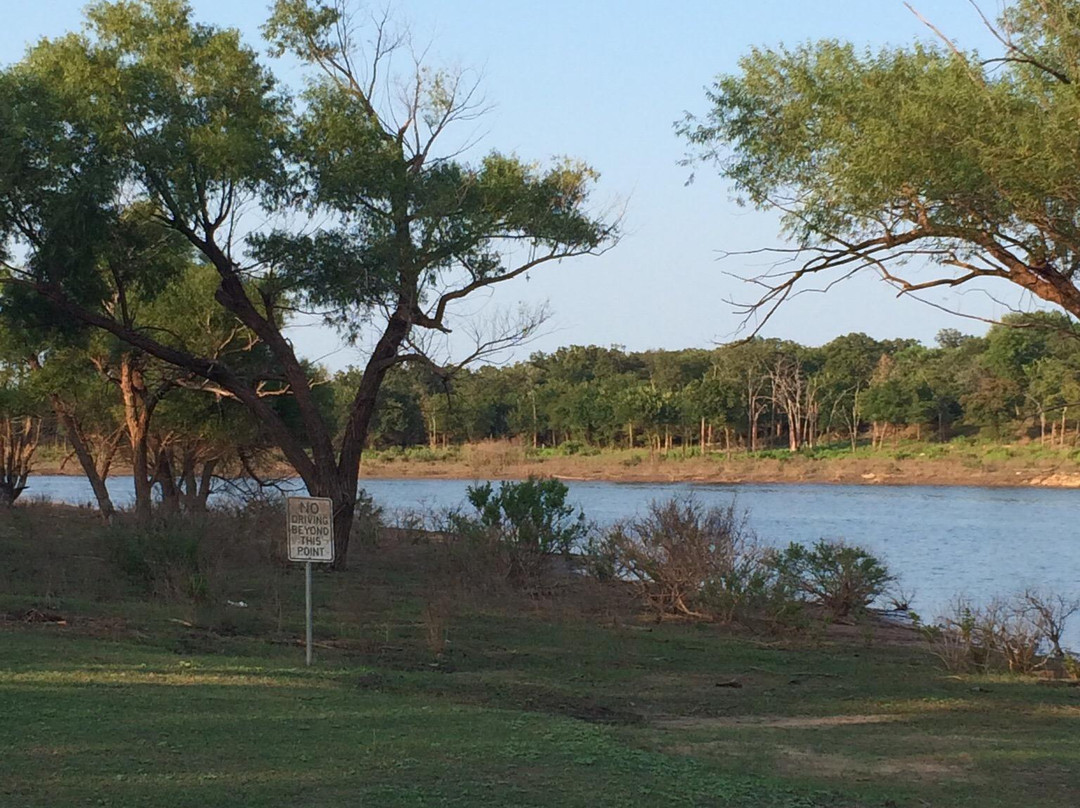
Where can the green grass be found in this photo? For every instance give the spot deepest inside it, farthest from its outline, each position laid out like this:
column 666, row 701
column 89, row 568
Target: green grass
column 555, row 697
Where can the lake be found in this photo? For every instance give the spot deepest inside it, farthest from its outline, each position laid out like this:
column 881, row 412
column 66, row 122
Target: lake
column 942, row 541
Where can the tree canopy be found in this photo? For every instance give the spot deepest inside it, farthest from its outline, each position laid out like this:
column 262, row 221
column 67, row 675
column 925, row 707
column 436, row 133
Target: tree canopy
column 926, row 155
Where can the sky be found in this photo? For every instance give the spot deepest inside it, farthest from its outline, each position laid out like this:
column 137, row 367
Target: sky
column 604, row 81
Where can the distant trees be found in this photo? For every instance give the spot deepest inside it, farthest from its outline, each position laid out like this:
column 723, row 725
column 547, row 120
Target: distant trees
column 1023, row 378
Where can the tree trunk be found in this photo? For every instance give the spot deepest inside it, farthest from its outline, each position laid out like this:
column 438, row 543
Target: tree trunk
column 340, row 481
column 165, row 476
column 206, row 480
column 137, row 420
column 94, row 473
column 18, row 440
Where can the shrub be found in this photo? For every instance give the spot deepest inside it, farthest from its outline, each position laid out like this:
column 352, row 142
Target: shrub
column 842, row 578
column 525, row 522
column 1049, row 612
column 1019, row 634
column 170, row 558
column 685, row 559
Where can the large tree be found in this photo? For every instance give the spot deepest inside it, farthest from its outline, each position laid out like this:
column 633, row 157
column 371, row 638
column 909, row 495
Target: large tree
column 920, row 157
column 394, row 227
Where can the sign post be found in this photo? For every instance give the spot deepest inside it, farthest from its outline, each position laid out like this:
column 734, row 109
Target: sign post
column 310, row 534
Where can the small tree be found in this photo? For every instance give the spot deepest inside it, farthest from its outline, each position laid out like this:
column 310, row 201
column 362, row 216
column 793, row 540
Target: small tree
column 20, row 429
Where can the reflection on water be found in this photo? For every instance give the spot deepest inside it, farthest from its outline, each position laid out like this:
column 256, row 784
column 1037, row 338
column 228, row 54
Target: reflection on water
column 942, row 541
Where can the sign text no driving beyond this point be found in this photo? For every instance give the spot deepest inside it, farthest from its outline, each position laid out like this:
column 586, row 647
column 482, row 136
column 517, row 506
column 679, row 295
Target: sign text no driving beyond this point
column 311, row 529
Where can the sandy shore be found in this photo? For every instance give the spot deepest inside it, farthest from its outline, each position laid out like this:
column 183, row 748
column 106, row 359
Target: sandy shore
column 793, row 470
column 484, row 462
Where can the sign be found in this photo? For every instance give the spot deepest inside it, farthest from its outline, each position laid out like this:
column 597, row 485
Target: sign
column 310, row 529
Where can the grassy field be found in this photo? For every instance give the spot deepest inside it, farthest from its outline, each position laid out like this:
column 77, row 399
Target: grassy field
column 433, row 686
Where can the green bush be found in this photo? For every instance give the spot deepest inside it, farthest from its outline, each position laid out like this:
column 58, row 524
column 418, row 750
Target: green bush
column 168, row 558
column 524, row 523
column 532, row 514
column 843, row 579
column 577, row 447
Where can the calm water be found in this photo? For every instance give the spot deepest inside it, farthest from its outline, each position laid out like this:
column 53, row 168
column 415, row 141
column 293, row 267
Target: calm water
column 941, row 541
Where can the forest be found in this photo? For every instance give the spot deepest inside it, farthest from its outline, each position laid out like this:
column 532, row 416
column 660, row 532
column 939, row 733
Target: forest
column 1016, row 383
column 105, row 408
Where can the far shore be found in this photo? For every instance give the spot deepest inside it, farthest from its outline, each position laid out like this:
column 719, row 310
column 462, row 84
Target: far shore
column 506, row 461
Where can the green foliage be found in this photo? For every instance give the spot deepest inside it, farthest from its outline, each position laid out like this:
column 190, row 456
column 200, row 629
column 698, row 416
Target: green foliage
column 873, row 157
column 531, row 515
column 841, row 578
column 170, row 558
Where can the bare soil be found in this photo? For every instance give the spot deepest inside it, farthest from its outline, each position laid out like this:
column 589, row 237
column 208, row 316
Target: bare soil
column 495, row 460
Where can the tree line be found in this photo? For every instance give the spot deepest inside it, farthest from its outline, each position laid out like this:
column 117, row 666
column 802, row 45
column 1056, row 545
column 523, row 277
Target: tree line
column 1022, row 379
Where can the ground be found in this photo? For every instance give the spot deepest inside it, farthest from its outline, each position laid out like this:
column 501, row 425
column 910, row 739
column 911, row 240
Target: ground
column 432, row 687
column 959, row 462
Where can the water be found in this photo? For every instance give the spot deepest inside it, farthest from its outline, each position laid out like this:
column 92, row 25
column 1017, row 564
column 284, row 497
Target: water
column 941, row 541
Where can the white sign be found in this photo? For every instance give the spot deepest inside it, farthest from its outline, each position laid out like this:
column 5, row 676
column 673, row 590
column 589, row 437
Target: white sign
column 311, row 529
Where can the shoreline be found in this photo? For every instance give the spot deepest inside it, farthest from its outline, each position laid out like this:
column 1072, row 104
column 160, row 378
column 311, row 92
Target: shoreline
column 743, row 471
column 714, row 470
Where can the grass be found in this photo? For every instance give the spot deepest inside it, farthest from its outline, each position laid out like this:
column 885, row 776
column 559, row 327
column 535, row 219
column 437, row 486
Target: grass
column 555, row 696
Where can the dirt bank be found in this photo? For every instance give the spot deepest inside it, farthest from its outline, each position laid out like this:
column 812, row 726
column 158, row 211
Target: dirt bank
column 497, row 461
column 626, row 467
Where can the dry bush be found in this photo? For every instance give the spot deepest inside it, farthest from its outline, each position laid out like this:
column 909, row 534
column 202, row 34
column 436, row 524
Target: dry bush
column 1049, row 612
column 493, row 456
column 1020, row 634
column 687, row 560
column 436, row 615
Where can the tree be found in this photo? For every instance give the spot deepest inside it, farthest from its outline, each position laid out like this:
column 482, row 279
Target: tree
column 20, row 427
column 922, row 155
column 84, row 404
column 182, row 116
column 847, row 368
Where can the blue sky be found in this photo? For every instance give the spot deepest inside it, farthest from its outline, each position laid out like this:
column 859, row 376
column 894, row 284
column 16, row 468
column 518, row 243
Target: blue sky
column 604, row 81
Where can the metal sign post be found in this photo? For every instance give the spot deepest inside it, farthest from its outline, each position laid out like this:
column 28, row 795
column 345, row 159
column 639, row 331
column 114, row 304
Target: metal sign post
column 307, row 601
column 310, row 534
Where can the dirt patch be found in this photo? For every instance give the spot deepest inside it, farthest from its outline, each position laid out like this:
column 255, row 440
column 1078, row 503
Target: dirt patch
column 800, row 762
column 776, row 722
column 96, row 627
column 528, row 698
